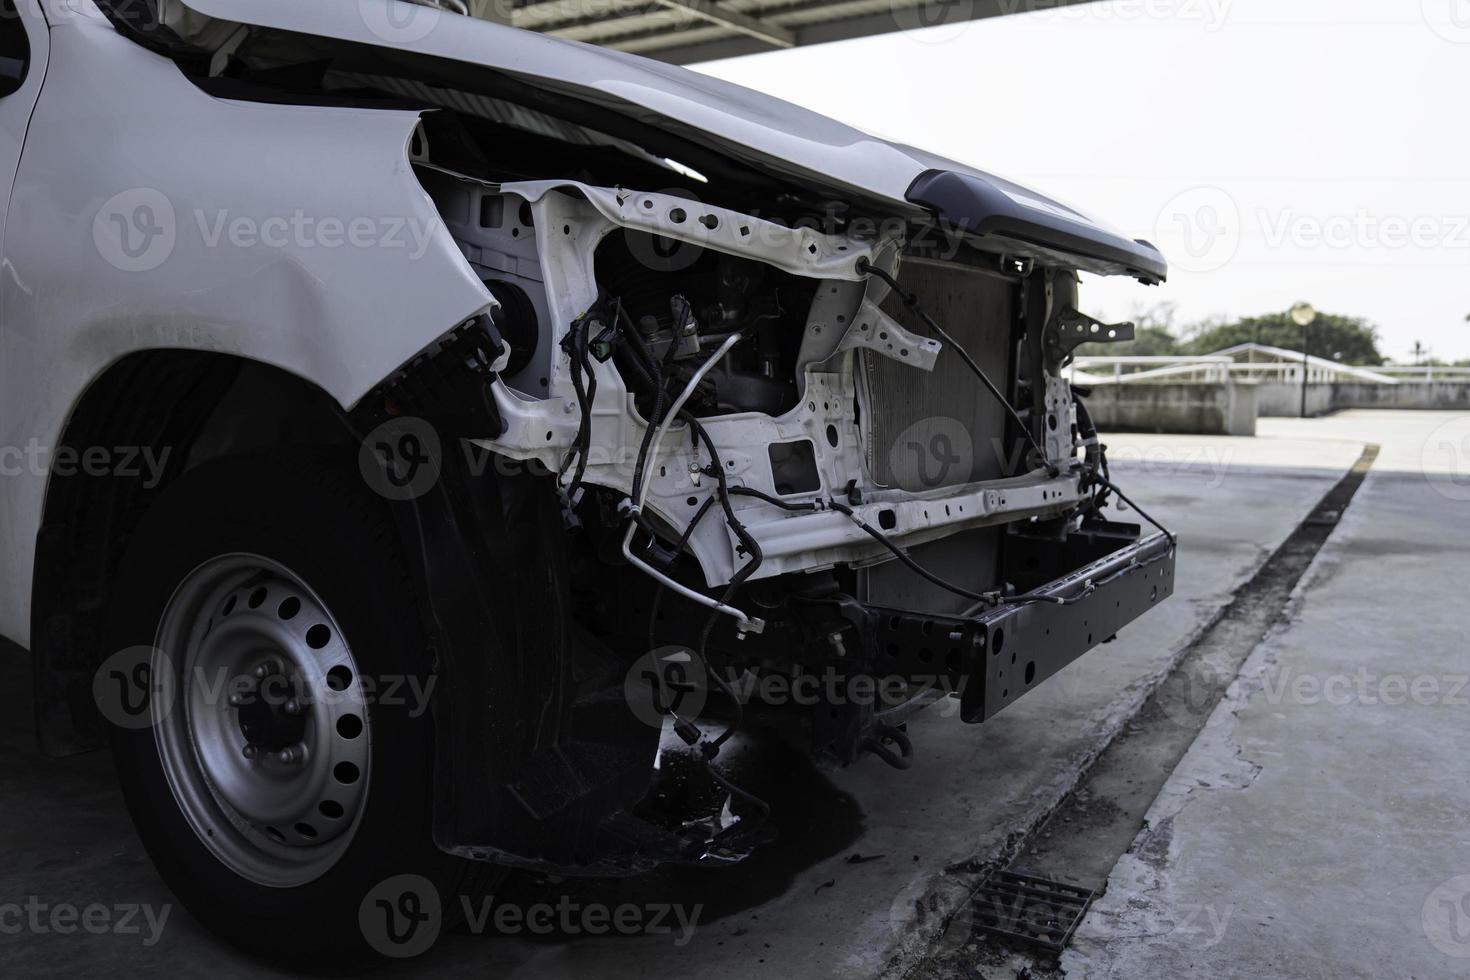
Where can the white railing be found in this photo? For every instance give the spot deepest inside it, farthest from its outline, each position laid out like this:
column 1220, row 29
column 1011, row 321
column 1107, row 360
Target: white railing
column 1279, row 366
column 1426, row 373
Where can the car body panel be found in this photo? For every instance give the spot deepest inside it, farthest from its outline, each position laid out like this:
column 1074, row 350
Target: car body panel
column 761, row 129
column 297, row 294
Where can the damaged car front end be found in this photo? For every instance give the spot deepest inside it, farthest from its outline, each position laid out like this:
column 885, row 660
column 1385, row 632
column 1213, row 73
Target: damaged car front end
column 730, row 392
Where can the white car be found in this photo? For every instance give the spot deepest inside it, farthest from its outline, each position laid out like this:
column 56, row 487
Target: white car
column 412, row 425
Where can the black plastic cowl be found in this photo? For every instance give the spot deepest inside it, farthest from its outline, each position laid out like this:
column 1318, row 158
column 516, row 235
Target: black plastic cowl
column 994, row 208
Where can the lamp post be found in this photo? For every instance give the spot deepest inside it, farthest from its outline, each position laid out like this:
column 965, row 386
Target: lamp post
column 1302, row 315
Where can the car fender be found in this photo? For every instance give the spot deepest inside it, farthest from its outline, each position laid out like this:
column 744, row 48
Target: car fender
column 148, row 214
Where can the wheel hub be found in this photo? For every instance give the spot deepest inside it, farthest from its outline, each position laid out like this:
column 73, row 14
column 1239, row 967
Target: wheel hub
column 267, row 752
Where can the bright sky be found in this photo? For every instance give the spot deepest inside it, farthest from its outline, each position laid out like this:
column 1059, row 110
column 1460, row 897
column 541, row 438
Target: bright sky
column 1276, row 150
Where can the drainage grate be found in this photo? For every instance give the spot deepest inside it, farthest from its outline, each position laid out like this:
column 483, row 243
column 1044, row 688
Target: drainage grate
column 1025, row 910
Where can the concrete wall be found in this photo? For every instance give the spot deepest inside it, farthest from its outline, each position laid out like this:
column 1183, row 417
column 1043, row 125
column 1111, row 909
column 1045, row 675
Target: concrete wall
column 1420, row 395
column 1275, row 398
column 1231, row 409
column 1209, row 409
column 1279, row 399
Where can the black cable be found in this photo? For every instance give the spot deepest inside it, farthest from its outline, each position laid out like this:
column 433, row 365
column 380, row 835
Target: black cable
column 898, row 553
column 912, row 302
column 734, row 790
column 1141, row 512
column 903, row 758
column 576, row 348
column 753, row 548
column 791, row 505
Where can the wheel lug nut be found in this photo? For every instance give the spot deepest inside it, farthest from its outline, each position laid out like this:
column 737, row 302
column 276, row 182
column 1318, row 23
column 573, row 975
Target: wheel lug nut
column 266, row 669
column 251, row 752
column 237, row 700
column 291, row 755
column 292, row 707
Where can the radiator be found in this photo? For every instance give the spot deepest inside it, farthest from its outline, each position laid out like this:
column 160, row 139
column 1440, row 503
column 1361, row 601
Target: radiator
column 942, row 428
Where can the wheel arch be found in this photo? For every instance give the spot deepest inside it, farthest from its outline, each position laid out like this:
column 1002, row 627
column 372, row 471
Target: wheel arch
column 156, row 413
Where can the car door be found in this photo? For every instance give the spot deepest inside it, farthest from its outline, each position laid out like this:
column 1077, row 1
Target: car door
column 24, row 43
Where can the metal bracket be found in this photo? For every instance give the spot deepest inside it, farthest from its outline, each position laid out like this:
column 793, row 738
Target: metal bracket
column 874, row 330
column 1070, row 329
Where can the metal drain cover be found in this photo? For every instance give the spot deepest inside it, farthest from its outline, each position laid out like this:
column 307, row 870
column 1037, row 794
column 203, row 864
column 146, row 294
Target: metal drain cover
column 1025, row 910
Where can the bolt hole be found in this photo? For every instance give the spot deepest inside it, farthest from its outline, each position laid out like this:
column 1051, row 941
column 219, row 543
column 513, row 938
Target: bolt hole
column 229, row 606
column 677, row 216
column 1030, row 672
column 257, row 597
column 338, row 678
column 330, row 809
column 346, row 773
column 306, row 830
column 275, row 835
column 832, row 436
column 349, row 726
column 318, row 636
column 289, row 607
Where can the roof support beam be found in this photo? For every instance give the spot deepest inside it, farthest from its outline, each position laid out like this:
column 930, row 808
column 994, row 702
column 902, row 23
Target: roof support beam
column 745, row 24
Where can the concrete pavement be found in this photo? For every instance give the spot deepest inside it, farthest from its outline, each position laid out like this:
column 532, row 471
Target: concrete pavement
column 800, row 907
column 1320, row 824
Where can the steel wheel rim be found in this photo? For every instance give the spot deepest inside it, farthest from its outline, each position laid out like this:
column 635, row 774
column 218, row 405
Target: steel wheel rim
column 267, row 745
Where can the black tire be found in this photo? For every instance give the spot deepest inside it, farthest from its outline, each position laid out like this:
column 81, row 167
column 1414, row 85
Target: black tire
column 322, row 522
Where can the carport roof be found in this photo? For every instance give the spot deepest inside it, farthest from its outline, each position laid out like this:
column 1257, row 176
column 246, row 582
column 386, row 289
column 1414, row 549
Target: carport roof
column 684, row 31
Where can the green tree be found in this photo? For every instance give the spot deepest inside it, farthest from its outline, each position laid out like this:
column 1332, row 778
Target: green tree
column 1351, row 340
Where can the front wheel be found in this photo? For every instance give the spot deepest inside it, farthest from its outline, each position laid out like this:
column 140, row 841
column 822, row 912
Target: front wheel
column 283, row 770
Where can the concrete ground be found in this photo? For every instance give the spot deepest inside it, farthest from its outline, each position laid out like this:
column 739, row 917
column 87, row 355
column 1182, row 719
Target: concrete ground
column 1320, row 824
column 871, row 861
